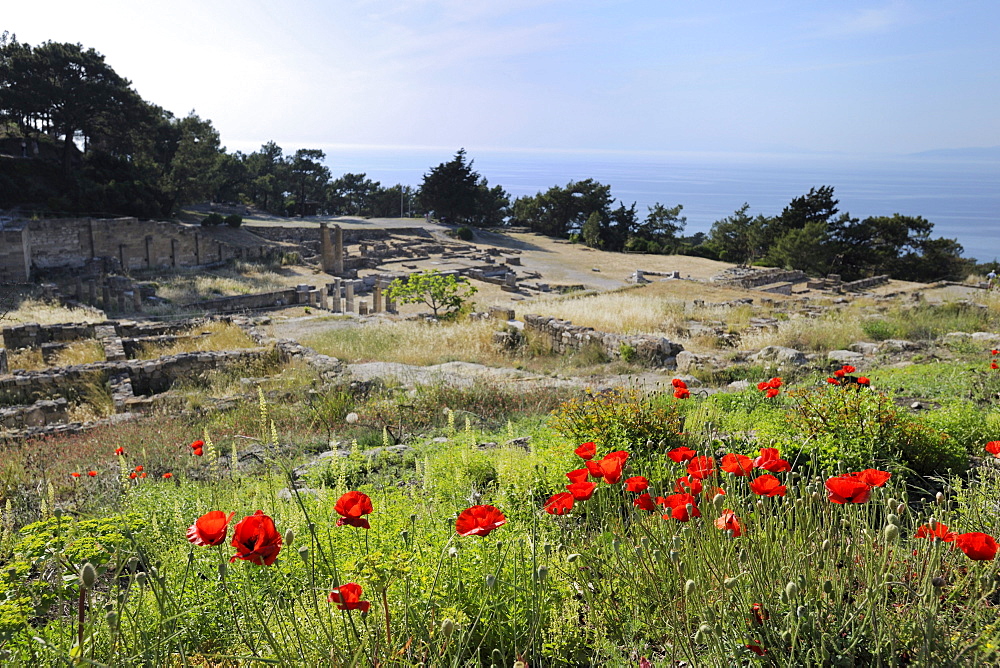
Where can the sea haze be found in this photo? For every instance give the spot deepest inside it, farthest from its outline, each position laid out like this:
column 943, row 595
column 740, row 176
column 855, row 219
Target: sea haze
column 958, row 192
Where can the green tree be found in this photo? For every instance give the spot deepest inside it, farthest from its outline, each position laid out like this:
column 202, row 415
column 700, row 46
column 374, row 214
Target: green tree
column 450, row 190
column 662, row 225
column 591, row 231
column 308, row 178
column 446, row 295
column 354, row 194
column 192, row 175
column 739, row 238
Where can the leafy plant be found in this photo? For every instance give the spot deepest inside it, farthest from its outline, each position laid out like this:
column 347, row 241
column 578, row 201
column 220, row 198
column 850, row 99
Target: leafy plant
column 447, row 295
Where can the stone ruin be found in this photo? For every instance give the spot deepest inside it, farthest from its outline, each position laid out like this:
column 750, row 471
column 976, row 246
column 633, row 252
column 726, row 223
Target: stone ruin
column 564, row 337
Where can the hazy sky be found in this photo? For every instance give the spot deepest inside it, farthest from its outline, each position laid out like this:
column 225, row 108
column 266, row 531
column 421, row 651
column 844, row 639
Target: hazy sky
column 869, row 77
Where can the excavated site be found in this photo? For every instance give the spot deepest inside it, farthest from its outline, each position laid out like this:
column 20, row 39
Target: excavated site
column 111, row 269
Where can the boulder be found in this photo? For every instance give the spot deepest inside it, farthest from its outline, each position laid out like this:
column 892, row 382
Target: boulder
column 897, row 346
column 779, row 356
column 864, row 347
column 845, row 357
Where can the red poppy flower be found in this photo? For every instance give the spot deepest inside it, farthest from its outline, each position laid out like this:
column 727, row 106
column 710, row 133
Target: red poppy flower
column 75, row 475
column 872, row 477
column 688, row 485
column 701, row 467
column 995, row 352
column 772, row 393
column 92, row 473
column 560, row 504
column 582, row 491
column 586, row 450
column 993, row 447
column 682, row 393
column 939, row 531
column 728, row 521
column 682, row 454
column 993, row 365
column 119, row 451
column 847, row 489
column 143, row 474
column 760, row 615
column 682, row 506
column 579, row 475
column 767, row 485
column 774, row 383
column 763, row 385
column 863, row 380
column 138, row 468
column 197, row 444
column 769, row 460
column 847, row 368
column 739, row 465
column 479, row 520
column 256, row 540
column 168, row 475
column 198, row 452
column 756, row 649
column 636, row 484
column 348, row 597
column 839, row 373
column 351, row 507
column 210, row 528
column 833, row 381
column 132, row 476
column 678, row 384
column 645, row 502
column 608, row 467
column 977, row 546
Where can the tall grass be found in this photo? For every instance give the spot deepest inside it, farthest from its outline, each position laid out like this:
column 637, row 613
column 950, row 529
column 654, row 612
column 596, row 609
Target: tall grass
column 211, row 336
column 626, row 311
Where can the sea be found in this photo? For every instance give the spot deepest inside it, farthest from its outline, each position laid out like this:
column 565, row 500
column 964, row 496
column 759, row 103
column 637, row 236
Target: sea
column 958, row 191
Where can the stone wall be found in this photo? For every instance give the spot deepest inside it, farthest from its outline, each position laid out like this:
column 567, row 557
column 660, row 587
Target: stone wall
column 865, row 283
column 38, row 414
column 566, row 337
column 15, row 256
column 753, row 278
column 247, row 302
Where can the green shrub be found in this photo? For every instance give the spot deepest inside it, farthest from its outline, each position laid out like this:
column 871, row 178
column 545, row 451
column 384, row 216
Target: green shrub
column 234, row 221
column 464, row 233
column 963, row 422
column 620, row 418
column 212, row 220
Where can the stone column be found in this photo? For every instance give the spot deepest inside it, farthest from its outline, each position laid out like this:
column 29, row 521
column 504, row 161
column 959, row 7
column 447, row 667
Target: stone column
column 324, row 302
column 326, row 247
column 338, row 250
column 136, row 298
column 362, row 307
column 3, row 361
column 377, row 298
column 334, row 290
column 349, row 296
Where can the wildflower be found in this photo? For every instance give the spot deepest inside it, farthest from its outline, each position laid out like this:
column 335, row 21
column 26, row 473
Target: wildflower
column 864, row 381
column 995, row 352
column 608, row 467
column 138, row 469
column 833, row 381
column 977, row 546
column 256, row 540
column 479, row 520
column 993, row 365
column 839, row 373
column 582, row 491
column 678, row 384
column 75, row 475
column 760, row 615
column 348, row 597
column 739, row 465
column 756, row 649
column 167, row 476
column 119, row 451
column 774, row 383
column 644, row 502
column 196, row 445
column 636, row 484
column 586, row 450
column 197, row 452
column 132, row 475
column 728, row 521
column 579, row 475
column 559, row 504
column 92, row 473
column 763, row 385
column 351, row 507
column 688, row 485
column 772, row 393
column 847, row 368
column 848, row 489
column 993, row 447
column 701, row 467
column 210, row 528
column 682, row 393
column 770, row 461
column 682, row 454
column 872, row 477
column 682, row 506
column 142, row 475
column 767, row 485
column 938, row 531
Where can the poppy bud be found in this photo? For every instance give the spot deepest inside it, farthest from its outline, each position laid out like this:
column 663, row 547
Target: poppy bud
column 892, row 519
column 939, row 498
column 900, row 509
column 112, row 618
column 689, row 587
column 729, row 583
column 413, row 518
column 891, row 503
column 289, row 537
column 453, row 552
column 791, row 590
column 304, row 553
column 890, row 532
column 223, row 567
column 541, row 573
column 615, row 544
column 674, row 556
column 88, row 575
column 644, row 542
column 57, row 513
column 718, row 500
column 826, row 545
column 704, row 631
column 675, row 542
column 828, row 587
column 798, row 502
column 491, row 580
column 937, row 582
column 572, row 557
column 658, row 556
column 801, row 611
column 447, row 628
column 141, row 579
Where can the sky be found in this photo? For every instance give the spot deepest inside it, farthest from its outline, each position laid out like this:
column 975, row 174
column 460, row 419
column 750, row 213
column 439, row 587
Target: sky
column 767, row 76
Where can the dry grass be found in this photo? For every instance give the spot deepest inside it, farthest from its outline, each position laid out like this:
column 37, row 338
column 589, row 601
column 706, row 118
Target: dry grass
column 48, row 313
column 630, row 311
column 833, row 332
column 217, row 335
column 78, row 352
column 411, row 343
column 241, row 279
